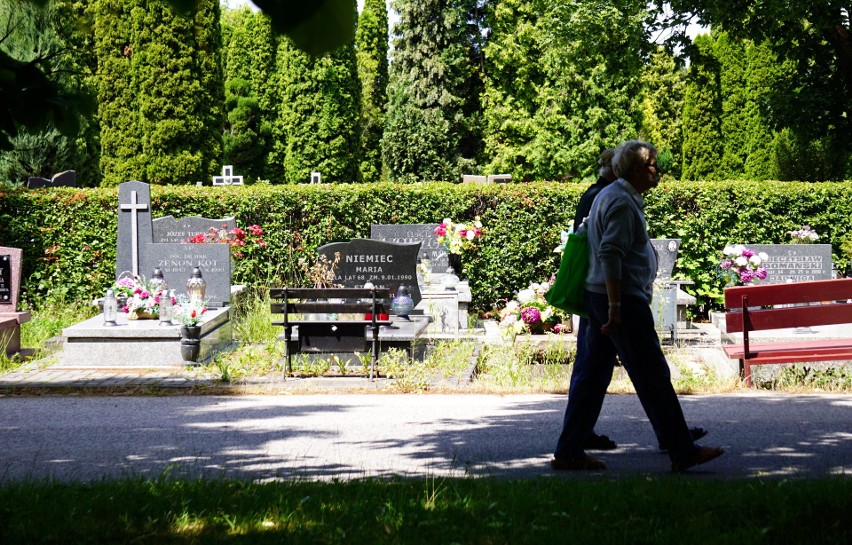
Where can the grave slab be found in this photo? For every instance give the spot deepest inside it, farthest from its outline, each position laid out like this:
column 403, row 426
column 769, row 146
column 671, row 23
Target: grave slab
column 180, row 230
column 139, row 343
column 795, row 262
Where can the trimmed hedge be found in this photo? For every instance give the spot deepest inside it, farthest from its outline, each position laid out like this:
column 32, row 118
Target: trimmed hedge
column 68, row 235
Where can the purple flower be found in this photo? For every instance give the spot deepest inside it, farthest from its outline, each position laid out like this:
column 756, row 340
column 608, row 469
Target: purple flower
column 530, row 315
column 746, row 276
column 761, row 273
column 726, row 264
column 748, row 253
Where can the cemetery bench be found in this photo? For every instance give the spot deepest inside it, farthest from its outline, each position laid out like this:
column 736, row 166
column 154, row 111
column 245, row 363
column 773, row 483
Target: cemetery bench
column 780, row 306
column 326, row 335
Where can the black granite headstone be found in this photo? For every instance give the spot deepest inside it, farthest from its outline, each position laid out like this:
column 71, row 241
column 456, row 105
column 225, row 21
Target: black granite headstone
column 430, row 248
column 177, row 230
column 385, row 264
column 795, row 262
column 666, row 255
column 5, row 278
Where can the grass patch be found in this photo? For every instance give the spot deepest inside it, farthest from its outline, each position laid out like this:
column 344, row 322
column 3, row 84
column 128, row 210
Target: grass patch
column 430, row 510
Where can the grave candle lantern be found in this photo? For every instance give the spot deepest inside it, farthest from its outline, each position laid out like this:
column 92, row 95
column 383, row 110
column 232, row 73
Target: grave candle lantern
column 110, row 309
column 196, row 286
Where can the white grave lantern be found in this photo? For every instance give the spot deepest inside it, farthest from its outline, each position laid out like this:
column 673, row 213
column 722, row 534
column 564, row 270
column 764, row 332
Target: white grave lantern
column 227, row 177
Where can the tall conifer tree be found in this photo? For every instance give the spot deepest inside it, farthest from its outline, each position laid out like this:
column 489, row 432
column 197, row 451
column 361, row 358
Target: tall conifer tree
column 371, row 41
column 662, row 105
column 433, row 125
column 161, row 92
column 702, row 111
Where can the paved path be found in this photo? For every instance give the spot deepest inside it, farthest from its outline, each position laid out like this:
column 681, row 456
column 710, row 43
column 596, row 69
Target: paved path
column 352, row 436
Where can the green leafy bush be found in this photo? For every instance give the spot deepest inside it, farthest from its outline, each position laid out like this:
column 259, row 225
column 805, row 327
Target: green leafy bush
column 69, row 235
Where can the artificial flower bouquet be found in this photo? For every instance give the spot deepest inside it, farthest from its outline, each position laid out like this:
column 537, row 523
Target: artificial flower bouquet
column 189, row 312
column 529, row 312
column 142, row 296
column 457, row 237
column 238, row 239
column 805, row 235
column 739, row 264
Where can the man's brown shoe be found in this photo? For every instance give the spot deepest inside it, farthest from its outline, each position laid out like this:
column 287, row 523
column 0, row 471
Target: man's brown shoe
column 703, row 455
column 583, row 462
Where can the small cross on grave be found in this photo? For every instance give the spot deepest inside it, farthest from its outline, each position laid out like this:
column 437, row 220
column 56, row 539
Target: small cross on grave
column 227, row 177
column 134, row 207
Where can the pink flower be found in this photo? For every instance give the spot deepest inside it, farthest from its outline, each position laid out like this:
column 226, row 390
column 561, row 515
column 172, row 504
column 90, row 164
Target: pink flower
column 531, row 315
column 441, row 230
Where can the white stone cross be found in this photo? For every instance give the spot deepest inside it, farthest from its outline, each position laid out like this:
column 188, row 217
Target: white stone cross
column 227, row 177
column 135, row 207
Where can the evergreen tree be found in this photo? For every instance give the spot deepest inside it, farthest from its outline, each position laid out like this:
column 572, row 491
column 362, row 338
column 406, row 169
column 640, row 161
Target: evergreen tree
column 562, row 84
column 371, row 41
column 731, row 58
column 702, row 111
column 161, row 91
column 662, row 105
column 320, row 115
column 433, row 126
column 512, row 80
column 763, row 72
column 250, row 100
column 594, row 53
column 65, row 50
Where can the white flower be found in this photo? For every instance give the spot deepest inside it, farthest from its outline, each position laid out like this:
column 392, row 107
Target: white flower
column 741, row 261
column 755, row 260
column 512, row 306
column 509, row 320
column 763, row 256
column 470, row 235
column 526, row 295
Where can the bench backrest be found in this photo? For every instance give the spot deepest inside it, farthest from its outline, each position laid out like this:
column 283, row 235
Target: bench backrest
column 745, row 304
column 304, row 300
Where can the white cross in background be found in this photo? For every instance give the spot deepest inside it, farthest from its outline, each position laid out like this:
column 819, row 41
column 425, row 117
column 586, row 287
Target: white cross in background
column 227, row 177
column 134, row 208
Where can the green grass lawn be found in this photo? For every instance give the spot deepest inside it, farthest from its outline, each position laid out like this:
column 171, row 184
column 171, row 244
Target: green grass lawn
column 670, row 509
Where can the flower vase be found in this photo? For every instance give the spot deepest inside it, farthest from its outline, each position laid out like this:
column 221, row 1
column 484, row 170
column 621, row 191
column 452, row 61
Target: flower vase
column 455, row 262
column 190, row 342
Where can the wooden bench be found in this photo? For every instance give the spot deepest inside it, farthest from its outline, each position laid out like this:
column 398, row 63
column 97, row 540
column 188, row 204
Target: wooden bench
column 325, row 335
column 780, row 306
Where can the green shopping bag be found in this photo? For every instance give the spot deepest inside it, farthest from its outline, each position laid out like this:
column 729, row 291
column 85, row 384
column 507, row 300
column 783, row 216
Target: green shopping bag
column 568, row 290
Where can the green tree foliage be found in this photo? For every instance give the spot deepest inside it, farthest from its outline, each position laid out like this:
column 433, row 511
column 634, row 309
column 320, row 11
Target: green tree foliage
column 595, row 53
column 56, row 37
column 814, row 37
column 320, row 114
column 371, row 40
column 250, row 100
column 702, row 114
column 433, row 125
column 512, row 80
column 563, row 83
column 663, row 84
column 161, row 95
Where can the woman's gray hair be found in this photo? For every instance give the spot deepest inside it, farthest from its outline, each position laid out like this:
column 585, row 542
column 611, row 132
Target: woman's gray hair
column 631, row 155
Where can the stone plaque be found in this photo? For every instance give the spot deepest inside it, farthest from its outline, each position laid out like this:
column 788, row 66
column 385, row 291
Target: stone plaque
column 666, row 249
column 430, row 248
column 385, row 264
column 177, row 261
column 178, row 230
column 10, row 278
column 795, row 262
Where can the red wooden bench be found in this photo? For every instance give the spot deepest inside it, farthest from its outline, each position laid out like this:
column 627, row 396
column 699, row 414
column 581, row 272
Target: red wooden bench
column 754, row 308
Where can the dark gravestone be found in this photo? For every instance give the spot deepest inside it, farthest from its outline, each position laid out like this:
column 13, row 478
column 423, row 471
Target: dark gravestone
column 430, row 248
column 177, row 230
column 385, row 264
column 5, row 279
column 666, row 249
column 177, row 261
column 135, row 230
column 67, row 178
column 795, row 262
